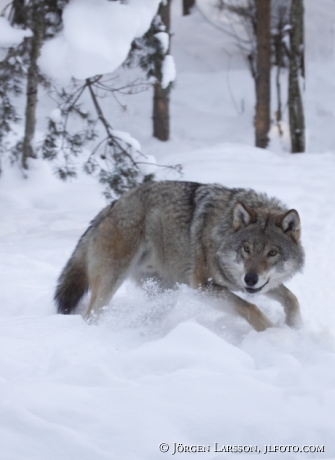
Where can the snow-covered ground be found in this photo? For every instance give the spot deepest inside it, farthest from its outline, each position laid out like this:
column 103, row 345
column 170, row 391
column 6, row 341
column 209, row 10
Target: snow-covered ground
column 171, row 367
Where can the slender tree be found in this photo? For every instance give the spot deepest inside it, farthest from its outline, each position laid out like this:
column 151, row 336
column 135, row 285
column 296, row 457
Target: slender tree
column 44, row 18
column 12, row 74
column 32, row 87
column 151, row 54
column 262, row 117
column 242, row 21
column 161, row 114
column 296, row 66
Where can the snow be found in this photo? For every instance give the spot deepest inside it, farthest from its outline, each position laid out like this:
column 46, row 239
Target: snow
column 168, row 71
column 56, row 115
column 86, row 45
column 174, row 366
column 147, row 164
column 10, row 36
column 161, row 367
column 128, row 139
column 164, row 39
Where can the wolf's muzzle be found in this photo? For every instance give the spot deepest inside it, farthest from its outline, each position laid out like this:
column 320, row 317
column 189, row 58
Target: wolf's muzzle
column 251, row 279
column 255, row 290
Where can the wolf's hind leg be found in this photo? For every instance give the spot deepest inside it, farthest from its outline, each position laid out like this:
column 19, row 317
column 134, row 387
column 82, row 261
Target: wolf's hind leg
column 110, row 257
column 103, row 287
column 290, row 304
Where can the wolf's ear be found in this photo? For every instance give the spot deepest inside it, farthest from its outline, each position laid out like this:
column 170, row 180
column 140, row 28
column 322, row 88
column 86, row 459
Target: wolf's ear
column 290, row 223
column 242, row 216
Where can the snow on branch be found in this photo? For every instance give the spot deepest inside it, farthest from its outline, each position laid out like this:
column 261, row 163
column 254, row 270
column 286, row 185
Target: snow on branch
column 10, row 36
column 96, row 37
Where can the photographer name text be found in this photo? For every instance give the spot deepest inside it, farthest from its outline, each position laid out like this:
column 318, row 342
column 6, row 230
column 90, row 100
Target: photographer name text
column 179, row 448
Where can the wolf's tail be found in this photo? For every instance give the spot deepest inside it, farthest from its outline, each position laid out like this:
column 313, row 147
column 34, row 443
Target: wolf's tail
column 73, row 282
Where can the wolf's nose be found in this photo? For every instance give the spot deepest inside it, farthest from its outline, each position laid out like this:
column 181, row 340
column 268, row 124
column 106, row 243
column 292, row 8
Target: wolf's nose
column 251, row 279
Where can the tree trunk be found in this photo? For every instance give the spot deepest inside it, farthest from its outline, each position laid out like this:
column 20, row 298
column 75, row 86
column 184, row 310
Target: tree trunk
column 187, row 6
column 32, row 86
column 161, row 116
column 279, row 48
column 295, row 107
column 262, row 117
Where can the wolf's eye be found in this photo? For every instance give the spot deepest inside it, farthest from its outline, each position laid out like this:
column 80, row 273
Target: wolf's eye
column 246, row 248
column 272, row 253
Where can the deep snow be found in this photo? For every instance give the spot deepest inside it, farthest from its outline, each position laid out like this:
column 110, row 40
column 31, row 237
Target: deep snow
column 174, row 367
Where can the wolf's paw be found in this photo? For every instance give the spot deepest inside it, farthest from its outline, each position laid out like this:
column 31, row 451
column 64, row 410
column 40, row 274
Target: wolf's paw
column 294, row 321
column 91, row 318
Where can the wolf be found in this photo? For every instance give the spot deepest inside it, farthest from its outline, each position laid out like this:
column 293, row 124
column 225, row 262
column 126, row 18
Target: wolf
column 222, row 240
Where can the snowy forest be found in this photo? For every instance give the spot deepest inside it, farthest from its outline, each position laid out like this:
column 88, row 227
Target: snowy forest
column 99, row 96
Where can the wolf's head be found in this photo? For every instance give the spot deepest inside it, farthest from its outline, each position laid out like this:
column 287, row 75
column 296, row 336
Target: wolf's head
column 264, row 248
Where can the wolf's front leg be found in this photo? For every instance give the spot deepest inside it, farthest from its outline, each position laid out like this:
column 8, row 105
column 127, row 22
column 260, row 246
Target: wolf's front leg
column 247, row 310
column 290, row 304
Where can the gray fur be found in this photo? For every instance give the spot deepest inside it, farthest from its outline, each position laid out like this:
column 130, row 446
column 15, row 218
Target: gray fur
column 206, row 236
